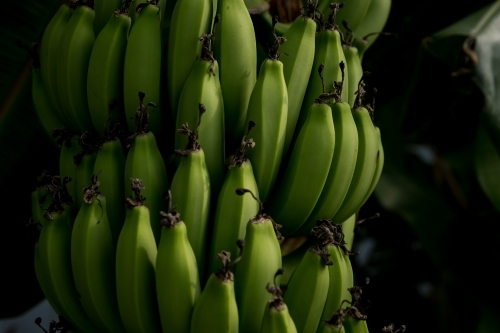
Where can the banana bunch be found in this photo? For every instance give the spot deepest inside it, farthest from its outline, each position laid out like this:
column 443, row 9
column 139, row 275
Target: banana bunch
column 139, row 225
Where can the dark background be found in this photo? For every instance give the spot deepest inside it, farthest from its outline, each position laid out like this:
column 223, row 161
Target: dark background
column 430, row 256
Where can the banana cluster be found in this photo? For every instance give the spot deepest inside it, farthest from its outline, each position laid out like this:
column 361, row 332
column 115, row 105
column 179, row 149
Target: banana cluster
column 286, row 154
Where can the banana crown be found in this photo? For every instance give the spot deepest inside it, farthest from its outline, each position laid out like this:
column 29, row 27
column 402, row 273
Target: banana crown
column 239, row 157
column 273, row 52
column 138, row 199
column 193, row 145
column 359, row 102
column 310, row 10
column 125, row 8
column 59, row 193
column 112, row 131
column 329, row 24
column 141, row 118
column 87, row 141
column 207, row 41
column 224, row 274
column 172, row 218
column 277, row 302
column 93, row 190
column 261, row 217
column 328, row 233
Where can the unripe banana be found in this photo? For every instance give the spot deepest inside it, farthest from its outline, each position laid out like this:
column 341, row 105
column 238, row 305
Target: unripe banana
column 48, row 58
column 366, row 162
column 84, row 161
column 348, row 230
column 297, row 64
column 374, row 21
column 153, row 173
column 276, row 316
column 105, row 73
column 378, row 168
column 307, row 290
column 177, row 278
column 334, row 324
column 216, row 310
column 73, row 58
column 110, row 161
column 234, row 211
column 55, row 257
column 236, row 51
column 354, row 69
column 142, row 66
column 190, row 19
column 341, row 169
column 135, row 267
column 191, row 193
column 354, row 12
column 268, row 108
column 291, row 258
column 93, row 261
column 257, row 268
column 307, row 170
column 103, row 12
column 203, row 86
column 328, row 55
column 353, row 325
column 46, row 113
column 348, row 278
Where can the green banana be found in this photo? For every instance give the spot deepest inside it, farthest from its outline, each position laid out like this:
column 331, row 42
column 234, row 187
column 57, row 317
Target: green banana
column 93, row 261
column 341, row 168
column 291, row 259
column 276, row 316
column 105, row 72
column 191, row 192
column 366, row 162
column 348, row 230
column 142, row 65
column 307, row 289
column 348, row 278
column 177, row 279
column 233, row 211
column 136, row 254
column 110, row 162
column 143, row 147
column 73, row 58
column 84, row 161
column 256, row 268
column 299, row 47
column 328, row 54
column 378, row 169
column 268, row 108
column 354, row 12
column 374, row 21
column 216, row 310
column 203, row 86
column 236, row 51
column 104, row 10
column 133, row 11
column 334, row 324
column 48, row 58
column 190, row 19
column 307, row 170
column 354, row 68
column 55, row 257
column 354, row 325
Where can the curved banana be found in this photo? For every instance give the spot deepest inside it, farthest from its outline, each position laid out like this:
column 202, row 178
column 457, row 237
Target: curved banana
column 348, row 278
column 341, row 169
column 45, row 112
column 305, row 175
column 307, row 290
column 93, row 261
column 268, row 108
column 84, row 161
column 257, row 268
column 104, row 10
column 190, row 19
column 297, row 62
column 233, row 211
column 203, row 86
column 73, row 58
column 355, row 70
column 348, row 230
column 276, row 316
column 55, row 257
column 48, row 58
column 142, row 66
column 216, row 310
column 143, row 147
column 378, row 169
column 191, row 193
column 373, row 22
column 136, row 254
column 105, row 73
column 236, row 51
column 354, row 12
column 366, row 162
column 328, row 54
column 177, row 279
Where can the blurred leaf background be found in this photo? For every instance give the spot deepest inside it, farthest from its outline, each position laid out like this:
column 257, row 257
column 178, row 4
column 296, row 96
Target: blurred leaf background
column 431, row 256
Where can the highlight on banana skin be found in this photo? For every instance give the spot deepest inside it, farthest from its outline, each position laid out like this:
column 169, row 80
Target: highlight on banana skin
column 207, row 181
